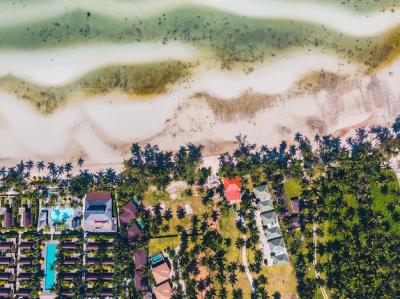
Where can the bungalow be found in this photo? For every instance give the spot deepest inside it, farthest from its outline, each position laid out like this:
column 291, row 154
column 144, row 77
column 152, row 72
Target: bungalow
column 43, row 218
column 161, row 273
column 128, row 213
column 262, row 193
column 5, row 276
column 5, row 260
column 68, row 276
column 134, row 233
column 70, row 261
column 271, row 226
column 26, row 245
column 140, row 257
column 163, row 291
column 67, row 293
column 98, row 213
column 278, row 251
column 25, row 293
column 104, row 293
column 295, row 205
column 24, row 276
column 23, row 261
column 5, row 292
column 26, row 217
column 232, row 188
column 9, row 219
column 99, row 245
column 69, row 245
column 141, row 283
column 5, row 246
column 99, row 276
column 104, row 261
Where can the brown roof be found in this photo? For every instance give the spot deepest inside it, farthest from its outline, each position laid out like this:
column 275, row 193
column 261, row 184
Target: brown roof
column 26, row 218
column 25, row 260
column 5, row 260
column 99, row 195
column 128, row 212
column 24, row 276
column 141, row 283
column 70, row 261
column 5, row 275
column 6, row 245
column 97, row 245
column 69, row 245
column 5, row 292
column 104, row 292
column 104, row 261
column 96, row 276
column 68, row 276
column 134, row 233
column 140, row 258
column 161, row 273
column 23, row 292
column 8, row 219
column 26, row 245
column 163, row 291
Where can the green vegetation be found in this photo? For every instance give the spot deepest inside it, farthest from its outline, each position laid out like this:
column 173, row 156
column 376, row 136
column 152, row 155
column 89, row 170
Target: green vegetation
column 139, row 80
column 232, row 39
column 347, row 243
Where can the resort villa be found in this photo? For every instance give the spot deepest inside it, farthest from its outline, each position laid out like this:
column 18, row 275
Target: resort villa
column 161, row 271
column 270, row 230
column 98, row 213
column 232, row 188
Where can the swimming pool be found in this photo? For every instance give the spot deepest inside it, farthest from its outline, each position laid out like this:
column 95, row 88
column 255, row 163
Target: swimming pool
column 50, row 273
column 58, row 215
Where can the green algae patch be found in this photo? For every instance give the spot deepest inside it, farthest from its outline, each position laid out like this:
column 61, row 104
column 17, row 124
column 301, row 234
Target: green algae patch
column 139, row 80
column 232, row 40
column 389, row 51
column 356, row 5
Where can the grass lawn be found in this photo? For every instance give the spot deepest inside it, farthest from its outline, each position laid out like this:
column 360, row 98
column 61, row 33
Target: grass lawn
column 281, row 278
column 228, row 229
column 384, row 196
column 292, row 187
column 160, row 244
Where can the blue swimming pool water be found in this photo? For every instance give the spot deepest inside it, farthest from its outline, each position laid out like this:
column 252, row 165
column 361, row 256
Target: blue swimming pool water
column 58, row 215
column 50, row 273
column 156, row 258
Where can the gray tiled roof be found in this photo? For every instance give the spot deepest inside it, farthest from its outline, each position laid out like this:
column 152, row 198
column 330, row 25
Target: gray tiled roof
column 273, row 232
column 261, row 192
column 266, row 206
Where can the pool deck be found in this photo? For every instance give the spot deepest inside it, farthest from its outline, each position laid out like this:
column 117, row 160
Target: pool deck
column 46, row 293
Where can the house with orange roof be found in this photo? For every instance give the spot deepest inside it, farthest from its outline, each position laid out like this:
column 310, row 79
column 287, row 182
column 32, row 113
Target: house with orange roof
column 232, row 188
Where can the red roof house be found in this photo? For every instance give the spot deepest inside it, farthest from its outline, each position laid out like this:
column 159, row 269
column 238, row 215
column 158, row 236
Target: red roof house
column 232, row 189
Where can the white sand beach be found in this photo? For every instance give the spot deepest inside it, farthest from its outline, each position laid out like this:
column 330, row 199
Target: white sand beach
column 61, row 65
column 102, row 129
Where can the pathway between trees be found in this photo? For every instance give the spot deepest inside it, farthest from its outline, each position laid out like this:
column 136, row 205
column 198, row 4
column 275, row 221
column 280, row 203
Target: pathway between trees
column 322, row 288
column 246, row 266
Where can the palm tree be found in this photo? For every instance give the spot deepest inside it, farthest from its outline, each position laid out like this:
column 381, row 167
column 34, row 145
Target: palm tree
column 40, row 165
column 80, row 162
column 68, row 167
column 180, row 212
